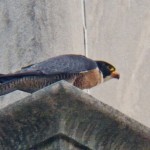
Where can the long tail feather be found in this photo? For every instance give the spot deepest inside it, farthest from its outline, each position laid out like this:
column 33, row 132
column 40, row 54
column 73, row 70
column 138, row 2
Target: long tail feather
column 7, row 77
column 30, row 82
column 9, row 82
column 6, row 88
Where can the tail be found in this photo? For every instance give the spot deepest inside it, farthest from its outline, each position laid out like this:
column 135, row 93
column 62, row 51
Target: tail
column 25, row 82
column 7, row 87
column 29, row 81
column 7, row 83
column 13, row 82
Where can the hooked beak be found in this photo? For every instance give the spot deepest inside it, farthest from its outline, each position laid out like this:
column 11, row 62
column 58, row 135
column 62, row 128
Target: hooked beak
column 115, row 74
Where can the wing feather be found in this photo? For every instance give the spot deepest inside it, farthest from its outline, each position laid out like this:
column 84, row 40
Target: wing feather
column 62, row 64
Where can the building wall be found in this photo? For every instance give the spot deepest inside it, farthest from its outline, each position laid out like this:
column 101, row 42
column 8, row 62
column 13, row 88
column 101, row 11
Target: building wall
column 116, row 31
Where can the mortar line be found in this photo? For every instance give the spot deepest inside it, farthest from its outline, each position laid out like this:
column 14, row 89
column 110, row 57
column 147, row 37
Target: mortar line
column 83, row 4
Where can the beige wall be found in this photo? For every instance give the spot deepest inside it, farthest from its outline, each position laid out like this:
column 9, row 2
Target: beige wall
column 34, row 30
column 118, row 31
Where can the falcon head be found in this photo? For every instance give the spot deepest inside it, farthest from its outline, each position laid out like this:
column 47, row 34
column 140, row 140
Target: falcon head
column 108, row 70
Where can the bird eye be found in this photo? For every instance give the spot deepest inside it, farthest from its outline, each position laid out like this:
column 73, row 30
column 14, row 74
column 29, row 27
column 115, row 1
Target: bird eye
column 111, row 69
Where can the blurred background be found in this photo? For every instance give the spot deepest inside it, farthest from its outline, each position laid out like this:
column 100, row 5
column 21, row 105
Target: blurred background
column 117, row 31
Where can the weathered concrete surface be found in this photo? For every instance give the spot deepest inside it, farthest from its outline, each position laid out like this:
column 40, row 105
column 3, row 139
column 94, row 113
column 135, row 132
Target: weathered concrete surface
column 68, row 116
column 118, row 31
column 34, row 30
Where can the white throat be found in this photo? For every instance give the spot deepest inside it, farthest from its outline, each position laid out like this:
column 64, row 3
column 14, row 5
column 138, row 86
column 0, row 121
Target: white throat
column 102, row 78
column 107, row 78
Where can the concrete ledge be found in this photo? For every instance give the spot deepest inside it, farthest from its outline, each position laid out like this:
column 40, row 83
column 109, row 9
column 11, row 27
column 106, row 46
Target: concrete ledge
column 62, row 116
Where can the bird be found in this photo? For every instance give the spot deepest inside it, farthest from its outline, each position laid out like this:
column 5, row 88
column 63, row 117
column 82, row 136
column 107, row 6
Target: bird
column 78, row 70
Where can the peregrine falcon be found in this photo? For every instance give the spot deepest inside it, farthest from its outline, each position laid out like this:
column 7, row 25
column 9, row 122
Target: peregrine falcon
column 79, row 70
